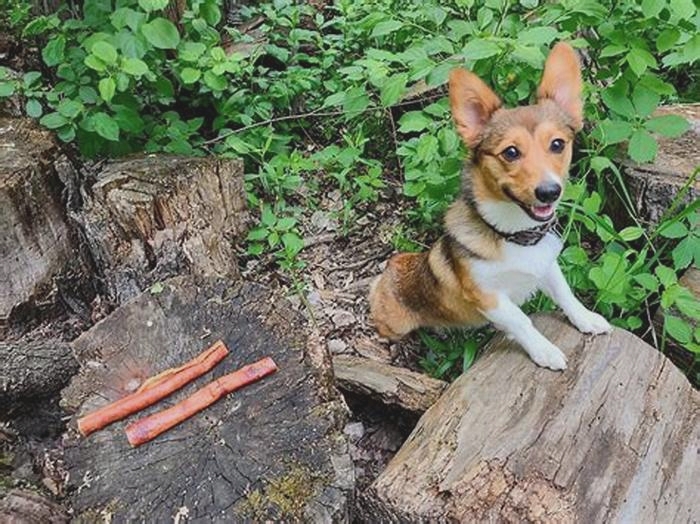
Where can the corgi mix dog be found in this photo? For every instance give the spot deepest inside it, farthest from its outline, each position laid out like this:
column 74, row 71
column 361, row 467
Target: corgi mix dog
column 499, row 246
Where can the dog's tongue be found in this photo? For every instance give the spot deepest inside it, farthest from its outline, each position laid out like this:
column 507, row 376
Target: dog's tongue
column 542, row 211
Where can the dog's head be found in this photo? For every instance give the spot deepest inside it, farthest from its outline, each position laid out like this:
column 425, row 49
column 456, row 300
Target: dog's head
column 521, row 156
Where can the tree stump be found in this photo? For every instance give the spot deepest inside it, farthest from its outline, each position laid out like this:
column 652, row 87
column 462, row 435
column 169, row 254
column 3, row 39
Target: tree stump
column 157, row 216
column 272, row 450
column 653, row 187
column 614, row 438
column 36, row 243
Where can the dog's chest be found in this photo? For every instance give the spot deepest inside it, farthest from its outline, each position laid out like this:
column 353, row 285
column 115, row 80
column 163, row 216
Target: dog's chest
column 519, row 271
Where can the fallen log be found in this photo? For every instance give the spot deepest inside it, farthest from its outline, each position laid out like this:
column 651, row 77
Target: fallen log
column 614, row 438
column 22, row 506
column 273, row 450
column 153, row 217
column 387, row 384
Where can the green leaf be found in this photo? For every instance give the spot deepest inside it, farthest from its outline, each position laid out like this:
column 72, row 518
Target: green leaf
column 673, row 229
column 639, row 60
column 356, row 100
column 293, row 243
column 105, row 52
column 134, row 66
column 642, row 147
column 478, row 49
column 645, row 100
column 648, row 281
column 257, row 234
column 190, row 75
column 95, row 63
column 153, row 5
column 671, row 126
column 617, row 99
column 615, row 131
column 631, row 233
column 678, row 329
column 33, row 108
column 191, row 51
column 666, row 275
column 53, row 120
column 7, row 89
column 107, row 87
column 651, row 8
column 210, row 12
column 386, row 27
column 53, row 52
column 106, row 126
column 70, row 108
column 88, row 95
column 413, row 121
column 612, row 50
column 161, row 33
column 538, row 35
column 667, row 38
column 157, row 288
column 685, row 252
column 128, row 119
column 215, row 82
column 683, row 9
column 393, row 88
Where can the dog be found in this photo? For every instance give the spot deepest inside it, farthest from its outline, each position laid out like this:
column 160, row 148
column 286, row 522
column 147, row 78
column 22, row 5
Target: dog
column 499, row 246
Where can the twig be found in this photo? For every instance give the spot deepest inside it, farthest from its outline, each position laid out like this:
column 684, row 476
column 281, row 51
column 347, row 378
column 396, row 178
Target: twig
column 153, row 390
column 148, row 428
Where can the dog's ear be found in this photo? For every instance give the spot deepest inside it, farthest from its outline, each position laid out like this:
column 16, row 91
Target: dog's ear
column 561, row 82
column 472, row 104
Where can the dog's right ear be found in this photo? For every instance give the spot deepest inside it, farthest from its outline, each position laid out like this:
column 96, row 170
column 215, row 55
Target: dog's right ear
column 472, row 104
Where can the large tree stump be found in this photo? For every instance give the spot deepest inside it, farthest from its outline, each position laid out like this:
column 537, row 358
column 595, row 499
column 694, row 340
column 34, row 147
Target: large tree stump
column 153, row 217
column 273, row 450
column 653, row 187
column 36, row 245
column 614, row 438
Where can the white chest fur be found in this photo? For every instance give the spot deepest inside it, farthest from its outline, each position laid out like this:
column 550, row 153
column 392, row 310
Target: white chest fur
column 519, row 271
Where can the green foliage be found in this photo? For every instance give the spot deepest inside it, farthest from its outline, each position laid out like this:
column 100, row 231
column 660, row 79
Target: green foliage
column 453, row 352
column 351, row 97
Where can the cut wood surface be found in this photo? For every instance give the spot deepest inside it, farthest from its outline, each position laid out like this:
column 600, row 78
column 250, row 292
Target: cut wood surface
column 35, row 238
column 387, row 384
column 272, row 450
column 153, row 217
column 614, row 438
column 653, row 187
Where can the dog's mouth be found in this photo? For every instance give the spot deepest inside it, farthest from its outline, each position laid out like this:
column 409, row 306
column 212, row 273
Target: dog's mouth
column 538, row 212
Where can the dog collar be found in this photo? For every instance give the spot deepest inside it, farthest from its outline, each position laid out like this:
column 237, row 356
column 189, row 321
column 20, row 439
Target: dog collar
column 526, row 237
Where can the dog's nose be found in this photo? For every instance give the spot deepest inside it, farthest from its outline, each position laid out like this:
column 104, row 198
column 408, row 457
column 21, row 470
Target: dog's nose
column 548, row 192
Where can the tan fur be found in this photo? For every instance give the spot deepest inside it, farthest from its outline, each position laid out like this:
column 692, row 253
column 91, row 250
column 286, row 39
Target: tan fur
column 436, row 288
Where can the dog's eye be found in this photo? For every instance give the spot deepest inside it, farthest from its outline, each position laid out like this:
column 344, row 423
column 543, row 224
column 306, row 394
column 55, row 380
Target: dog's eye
column 511, row 153
column 557, row 145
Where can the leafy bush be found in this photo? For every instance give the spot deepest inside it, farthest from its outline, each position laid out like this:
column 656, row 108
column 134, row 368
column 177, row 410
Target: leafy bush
column 365, row 81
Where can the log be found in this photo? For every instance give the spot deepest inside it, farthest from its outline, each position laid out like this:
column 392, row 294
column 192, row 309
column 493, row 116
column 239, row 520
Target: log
column 272, row 450
column 387, row 384
column 152, row 217
column 37, row 244
column 21, row 506
column 32, row 369
column 614, row 438
column 653, row 187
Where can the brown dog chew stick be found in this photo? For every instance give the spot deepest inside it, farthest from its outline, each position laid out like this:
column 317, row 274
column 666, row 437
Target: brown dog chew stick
column 154, row 389
column 148, row 428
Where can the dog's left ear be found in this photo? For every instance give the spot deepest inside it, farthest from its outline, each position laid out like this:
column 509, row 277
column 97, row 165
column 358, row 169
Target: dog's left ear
column 561, row 82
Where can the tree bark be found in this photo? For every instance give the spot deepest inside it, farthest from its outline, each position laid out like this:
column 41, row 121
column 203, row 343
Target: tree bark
column 38, row 247
column 272, row 450
column 614, row 438
column 153, row 217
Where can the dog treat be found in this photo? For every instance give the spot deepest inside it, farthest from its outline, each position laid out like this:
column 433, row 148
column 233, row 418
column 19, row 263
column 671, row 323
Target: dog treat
column 153, row 390
column 148, row 428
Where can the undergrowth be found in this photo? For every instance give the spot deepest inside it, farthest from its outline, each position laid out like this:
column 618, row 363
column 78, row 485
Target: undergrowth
column 349, row 96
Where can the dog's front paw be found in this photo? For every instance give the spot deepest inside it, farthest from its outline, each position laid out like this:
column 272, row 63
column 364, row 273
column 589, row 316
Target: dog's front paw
column 587, row 321
column 549, row 356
